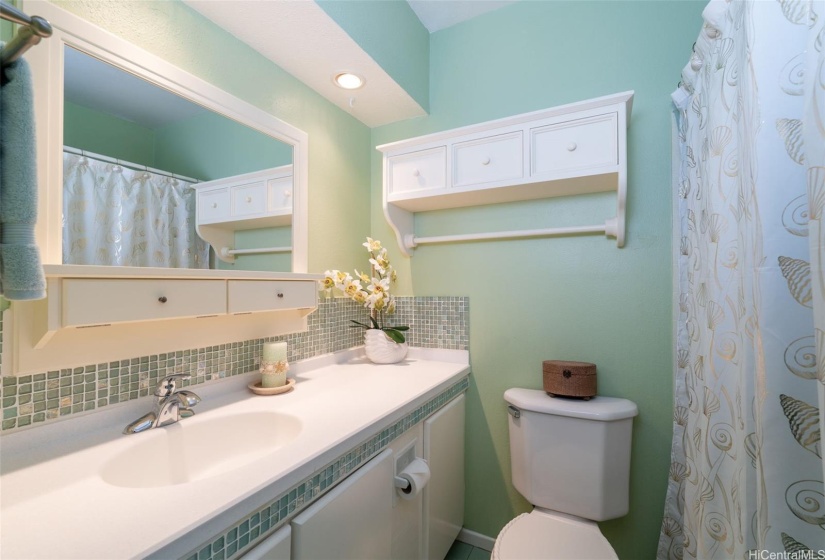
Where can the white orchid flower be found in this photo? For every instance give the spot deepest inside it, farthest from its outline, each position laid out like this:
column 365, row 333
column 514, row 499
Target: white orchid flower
column 342, row 279
column 352, row 287
column 378, row 268
column 363, row 276
column 379, row 286
column 391, row 306
column 372, row 245
column 329, row 282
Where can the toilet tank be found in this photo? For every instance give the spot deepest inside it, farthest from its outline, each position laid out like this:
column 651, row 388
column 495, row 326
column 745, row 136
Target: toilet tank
column 571, row 456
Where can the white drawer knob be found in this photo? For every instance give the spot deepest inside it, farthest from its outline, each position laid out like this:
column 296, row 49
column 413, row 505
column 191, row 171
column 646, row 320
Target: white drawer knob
column 214, row 205
column 287, row 193
column 416, row 173
column 486, row 161
column 249, row 199
column 571, row 147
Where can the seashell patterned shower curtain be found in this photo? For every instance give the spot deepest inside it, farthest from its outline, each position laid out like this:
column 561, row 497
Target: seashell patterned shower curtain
column 116, row 216
column 746, row 474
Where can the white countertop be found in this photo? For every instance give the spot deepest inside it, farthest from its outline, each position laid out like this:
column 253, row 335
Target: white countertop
column 54, row 504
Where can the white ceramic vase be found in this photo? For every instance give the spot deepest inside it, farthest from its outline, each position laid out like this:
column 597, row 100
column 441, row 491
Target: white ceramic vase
column 381, row 349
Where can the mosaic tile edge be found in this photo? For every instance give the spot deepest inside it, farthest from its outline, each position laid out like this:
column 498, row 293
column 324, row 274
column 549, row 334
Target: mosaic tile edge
column 261, row 523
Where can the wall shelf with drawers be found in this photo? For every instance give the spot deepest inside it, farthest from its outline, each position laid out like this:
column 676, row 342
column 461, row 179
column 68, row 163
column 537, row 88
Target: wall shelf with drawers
column 572, row 149
column 249, row 201
column 96, row 313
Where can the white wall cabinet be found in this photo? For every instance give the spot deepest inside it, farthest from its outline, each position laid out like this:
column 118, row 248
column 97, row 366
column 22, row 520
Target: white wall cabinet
column 572, row 149
column 353, row 521
column 444, row 496
column 249, row 201
column 95, row 314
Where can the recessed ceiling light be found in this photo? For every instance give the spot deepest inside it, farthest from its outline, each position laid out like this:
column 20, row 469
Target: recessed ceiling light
column 348, row 80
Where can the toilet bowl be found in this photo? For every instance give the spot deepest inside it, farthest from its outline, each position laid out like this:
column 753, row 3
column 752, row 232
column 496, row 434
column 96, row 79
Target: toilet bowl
column 571, row 460
column 548, row 535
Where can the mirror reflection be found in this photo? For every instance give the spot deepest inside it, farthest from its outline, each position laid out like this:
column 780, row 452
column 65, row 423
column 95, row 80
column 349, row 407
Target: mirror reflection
column 152, row 179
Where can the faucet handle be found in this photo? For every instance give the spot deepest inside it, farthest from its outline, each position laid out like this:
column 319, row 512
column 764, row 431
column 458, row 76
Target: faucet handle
column 168, row 384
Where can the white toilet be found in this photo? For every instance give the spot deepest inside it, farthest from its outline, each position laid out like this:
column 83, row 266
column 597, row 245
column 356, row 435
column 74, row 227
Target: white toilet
column 571, row 460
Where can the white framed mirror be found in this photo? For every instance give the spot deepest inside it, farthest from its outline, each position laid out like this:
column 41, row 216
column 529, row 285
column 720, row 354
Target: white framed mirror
column 276, row 242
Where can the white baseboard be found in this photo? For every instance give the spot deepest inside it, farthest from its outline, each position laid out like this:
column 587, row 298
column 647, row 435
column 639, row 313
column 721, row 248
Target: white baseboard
column 476, row 539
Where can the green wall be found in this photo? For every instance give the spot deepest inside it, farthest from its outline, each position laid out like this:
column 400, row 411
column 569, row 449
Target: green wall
column 571, row 298
column 391, row 33
column 102, row 133
column 339, row 180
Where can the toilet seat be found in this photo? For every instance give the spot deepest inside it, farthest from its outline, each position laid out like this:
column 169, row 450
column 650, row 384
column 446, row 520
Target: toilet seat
column 546, row 535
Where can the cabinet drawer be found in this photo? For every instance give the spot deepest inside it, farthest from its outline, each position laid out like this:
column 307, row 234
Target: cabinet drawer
column 279, row 194
column 488, row 160
column 418, row 170
column 247, row 296
column 213, row 206
column 95, row 302
column 248, row 199
column 590, row 142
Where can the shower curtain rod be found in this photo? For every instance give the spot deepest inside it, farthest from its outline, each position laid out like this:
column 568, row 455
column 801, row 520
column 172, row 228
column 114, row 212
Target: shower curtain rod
column 130, row 165
column 34, row 28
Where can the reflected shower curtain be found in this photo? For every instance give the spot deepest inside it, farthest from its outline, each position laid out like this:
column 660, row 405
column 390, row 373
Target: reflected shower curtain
column 747, row 471
column 117, row 216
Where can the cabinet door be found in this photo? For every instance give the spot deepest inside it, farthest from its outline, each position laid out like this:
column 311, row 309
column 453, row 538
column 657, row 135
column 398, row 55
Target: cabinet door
column 248, row 199
column 577, row 144
column 213, row 206
column 247, row 296
column 277, row 546
column 444, row 495
column 96, row 302
column 353, row 521
column 279, row 196
column 418, row 171
column 488, row 160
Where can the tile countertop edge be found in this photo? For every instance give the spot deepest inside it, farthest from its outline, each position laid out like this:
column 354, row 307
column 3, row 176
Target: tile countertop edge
column 221, row 521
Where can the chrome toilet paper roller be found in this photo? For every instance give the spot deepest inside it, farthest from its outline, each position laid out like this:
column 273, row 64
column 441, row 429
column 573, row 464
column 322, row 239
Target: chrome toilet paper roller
column 412, row 479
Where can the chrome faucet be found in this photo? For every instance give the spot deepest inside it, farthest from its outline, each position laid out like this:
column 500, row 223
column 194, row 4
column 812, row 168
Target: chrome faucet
column 171, row 405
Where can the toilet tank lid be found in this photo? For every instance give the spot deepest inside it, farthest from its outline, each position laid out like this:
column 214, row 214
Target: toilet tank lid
column 603, row 409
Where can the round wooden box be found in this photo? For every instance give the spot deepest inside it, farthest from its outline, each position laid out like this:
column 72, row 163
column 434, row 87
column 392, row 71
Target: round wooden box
column 569, row 379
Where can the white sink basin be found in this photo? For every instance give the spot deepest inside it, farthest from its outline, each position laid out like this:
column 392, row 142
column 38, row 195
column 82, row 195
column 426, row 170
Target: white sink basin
column 195, row 449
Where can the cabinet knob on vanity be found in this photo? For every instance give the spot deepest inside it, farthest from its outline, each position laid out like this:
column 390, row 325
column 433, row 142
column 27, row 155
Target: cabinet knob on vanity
column 249, row 199
column 486, row 161
column 162, row 299
column 280, row 294
column 571, row 147
column 416, row 173
column 214, row 205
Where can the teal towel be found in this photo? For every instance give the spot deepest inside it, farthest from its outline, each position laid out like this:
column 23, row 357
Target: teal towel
column 21, row 275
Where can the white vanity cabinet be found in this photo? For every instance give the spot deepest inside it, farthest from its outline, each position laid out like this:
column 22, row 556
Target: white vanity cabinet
column 277, row 546
column 353, row 521
column 444, row 496
column 572, row 149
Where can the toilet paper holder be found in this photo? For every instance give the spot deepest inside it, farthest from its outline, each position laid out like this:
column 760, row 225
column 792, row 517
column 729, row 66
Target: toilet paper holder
column 403, row 484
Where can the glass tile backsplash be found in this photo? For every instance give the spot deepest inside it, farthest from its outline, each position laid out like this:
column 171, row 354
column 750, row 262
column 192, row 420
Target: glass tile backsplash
column 435, row 322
